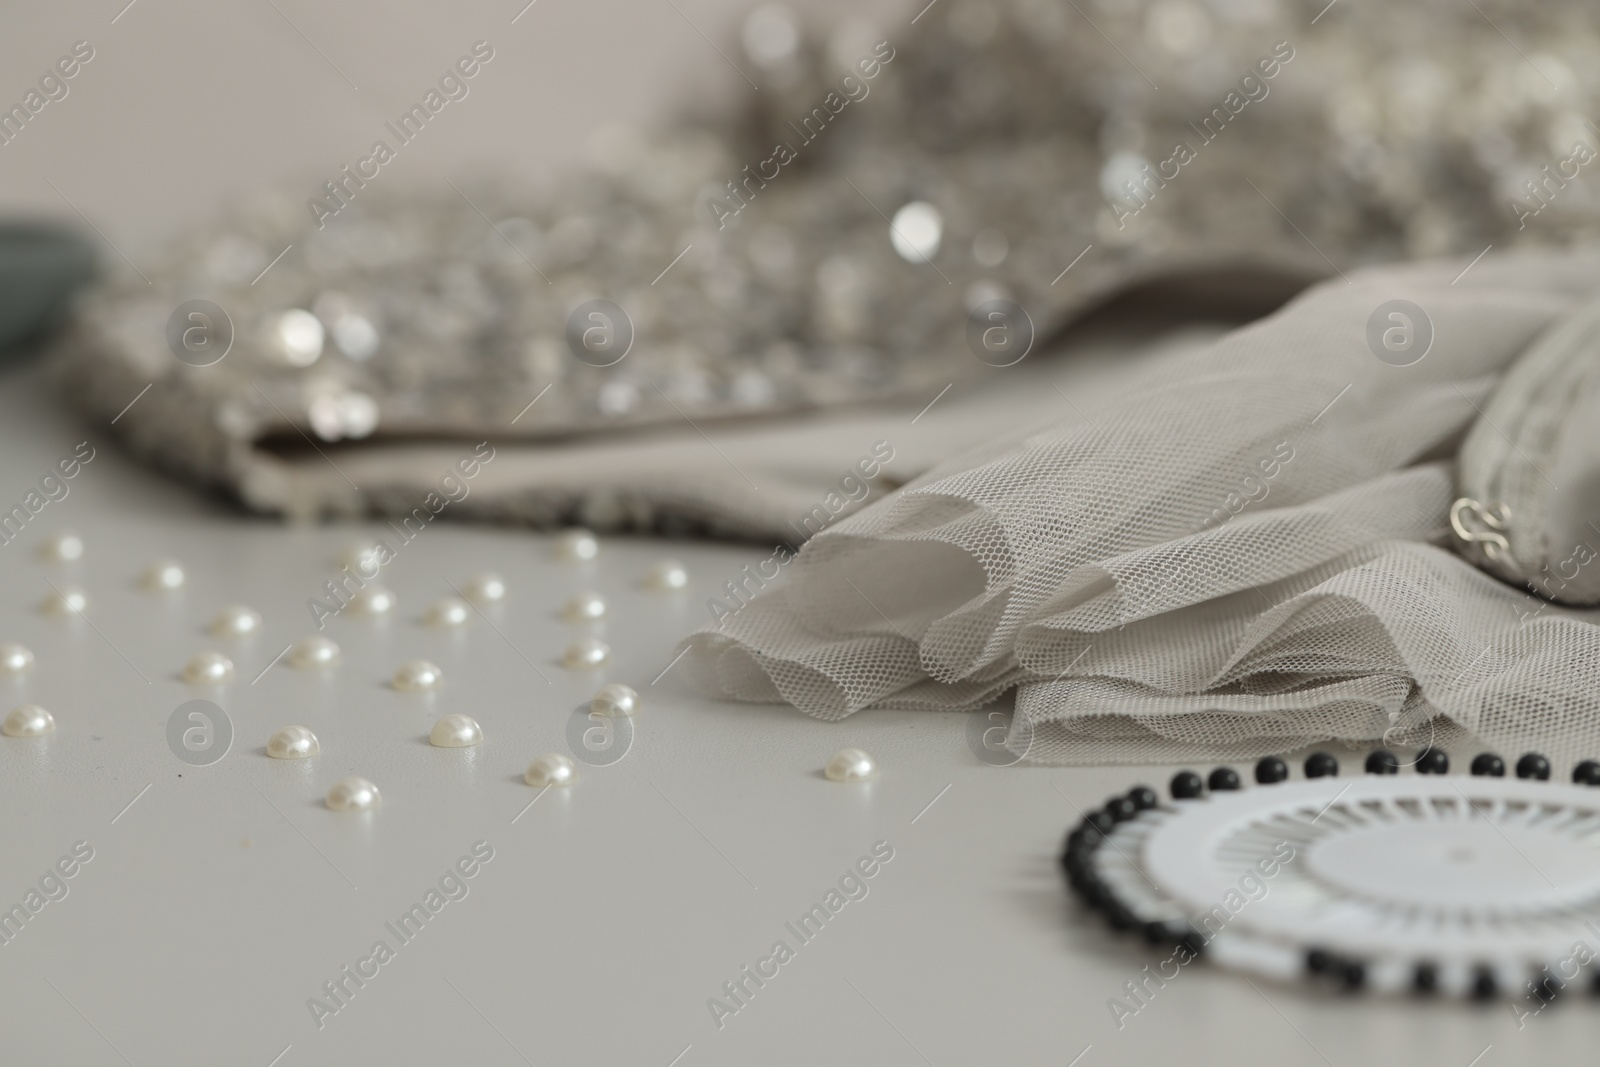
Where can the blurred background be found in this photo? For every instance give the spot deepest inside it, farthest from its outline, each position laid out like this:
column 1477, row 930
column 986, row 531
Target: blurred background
column 188, row 106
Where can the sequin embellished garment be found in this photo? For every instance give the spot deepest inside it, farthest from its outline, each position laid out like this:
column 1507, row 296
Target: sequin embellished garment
column 843, row 241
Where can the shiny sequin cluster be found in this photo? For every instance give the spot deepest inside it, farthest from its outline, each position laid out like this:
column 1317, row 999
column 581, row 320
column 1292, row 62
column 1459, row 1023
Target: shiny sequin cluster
column 996, row 156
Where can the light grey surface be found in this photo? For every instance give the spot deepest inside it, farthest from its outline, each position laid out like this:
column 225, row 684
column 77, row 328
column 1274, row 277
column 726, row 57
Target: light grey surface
column 226, row 895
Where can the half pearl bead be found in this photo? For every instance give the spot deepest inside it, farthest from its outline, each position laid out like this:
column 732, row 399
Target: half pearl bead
column 364, row 558
column 353, row 794
column 68, row 600
column 418, row 676
column 236, row 621
column 578, row 545
column 63, row 547
column 585, row 607
column 164, row 576
column 485, row 589
column 15, row 659
column 373, row 601
column 29, row 720
column 208, row 668
column 615, row 699
column 293, row 742
column 851, row 765
column 451, row 611
column 667, row 575
column 586, row 653
column 310, row 653
column 554, row 769
column 455, row 731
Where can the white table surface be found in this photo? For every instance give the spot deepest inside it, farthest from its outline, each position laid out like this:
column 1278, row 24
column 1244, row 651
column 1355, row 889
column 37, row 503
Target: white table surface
column 223, row 898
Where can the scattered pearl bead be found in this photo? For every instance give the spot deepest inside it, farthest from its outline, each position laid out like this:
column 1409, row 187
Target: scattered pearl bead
column 455, row 731
column 851, row 765
column 29, row 720
column 578, row 545
column 14, row 659
column 363, row 558
column 353, row 794
column 615, row 699
column 418, row 676
column 554, row 769
column 451, row 611
column 585, row 607
column 668, row 574
column 373, row 600
column 486, row 589
column 164, row 576
column 586, row 652
column 293, row 742
column 312, row 652
column 68, row 600
column 63, row 547
column 208, row 668
column 236, row 621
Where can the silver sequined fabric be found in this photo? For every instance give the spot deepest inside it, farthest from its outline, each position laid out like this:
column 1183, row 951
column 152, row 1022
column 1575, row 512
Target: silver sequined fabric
column 1122, row 139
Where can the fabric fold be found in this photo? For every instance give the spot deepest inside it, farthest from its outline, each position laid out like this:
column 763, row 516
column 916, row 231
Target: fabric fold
column 1239, row 553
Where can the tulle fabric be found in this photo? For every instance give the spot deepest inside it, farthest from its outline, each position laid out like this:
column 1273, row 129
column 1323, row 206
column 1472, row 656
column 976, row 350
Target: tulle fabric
column 1245, row 552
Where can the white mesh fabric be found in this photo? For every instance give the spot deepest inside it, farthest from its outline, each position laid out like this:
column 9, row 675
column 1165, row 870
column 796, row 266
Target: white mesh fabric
column 1093, row 563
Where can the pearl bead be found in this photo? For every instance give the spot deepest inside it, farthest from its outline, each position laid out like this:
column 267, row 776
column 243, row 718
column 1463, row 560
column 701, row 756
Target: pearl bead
column 14, row 659
column 451, row 611
column 554, row 769
column 585, row 607
column 455, row 731
column 163, row 576
column 236, row 621
column 208, row 668
column 374, row 600
column 68, row 600
column 293, row 742
column 577, row 544
column 486, row 589
column 615, row 699
column 312, row 652
column 586, row 652
column 353, row 794
column 418, row 676
column 851, row 765
column 364, row 558
column 29, row 720
column 63, row 547
column 668, row 574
